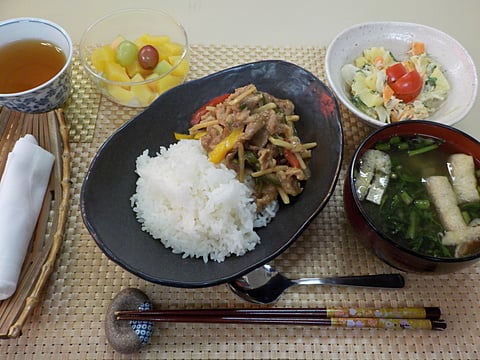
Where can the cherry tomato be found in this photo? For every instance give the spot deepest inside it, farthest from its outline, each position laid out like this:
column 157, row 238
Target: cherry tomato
column 408, row 87
column 148, row 57
column 197, row 116
column 395, row 72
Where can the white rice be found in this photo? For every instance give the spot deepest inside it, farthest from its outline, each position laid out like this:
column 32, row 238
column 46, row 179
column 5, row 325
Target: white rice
column 193, row 206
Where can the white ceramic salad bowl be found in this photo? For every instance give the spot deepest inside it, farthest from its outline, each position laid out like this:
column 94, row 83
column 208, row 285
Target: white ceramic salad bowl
column 397, row 37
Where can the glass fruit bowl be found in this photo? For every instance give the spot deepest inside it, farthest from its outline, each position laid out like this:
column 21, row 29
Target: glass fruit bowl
column 134, row 55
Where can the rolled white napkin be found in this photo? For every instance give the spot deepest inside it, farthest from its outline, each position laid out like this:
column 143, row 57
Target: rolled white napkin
column 22, row 190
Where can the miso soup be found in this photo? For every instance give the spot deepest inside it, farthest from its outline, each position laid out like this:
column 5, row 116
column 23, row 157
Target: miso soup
column 404, row 205
column 26, row 64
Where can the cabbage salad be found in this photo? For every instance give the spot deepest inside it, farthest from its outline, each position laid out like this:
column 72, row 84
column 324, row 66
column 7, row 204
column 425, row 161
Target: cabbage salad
column 390, row 90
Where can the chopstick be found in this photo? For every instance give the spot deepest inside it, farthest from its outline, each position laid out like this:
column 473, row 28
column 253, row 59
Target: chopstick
column 432, row 313
column 386, row 318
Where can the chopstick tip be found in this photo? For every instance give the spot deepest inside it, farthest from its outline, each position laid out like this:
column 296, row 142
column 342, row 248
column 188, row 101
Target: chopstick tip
column 439, row 325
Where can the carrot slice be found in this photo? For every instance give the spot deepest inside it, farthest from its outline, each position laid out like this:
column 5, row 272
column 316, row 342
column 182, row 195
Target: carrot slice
column 418, row 48
column 387, row 93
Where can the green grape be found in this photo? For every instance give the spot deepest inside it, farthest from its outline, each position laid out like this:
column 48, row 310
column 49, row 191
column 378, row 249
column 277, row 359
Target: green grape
column 126, row 53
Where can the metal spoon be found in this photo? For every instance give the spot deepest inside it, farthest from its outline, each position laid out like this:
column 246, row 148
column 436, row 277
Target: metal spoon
column 265, row 284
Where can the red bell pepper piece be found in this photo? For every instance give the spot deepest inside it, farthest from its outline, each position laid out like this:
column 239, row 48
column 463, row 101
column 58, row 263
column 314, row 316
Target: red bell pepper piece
column 197, row 116
column 291, row 158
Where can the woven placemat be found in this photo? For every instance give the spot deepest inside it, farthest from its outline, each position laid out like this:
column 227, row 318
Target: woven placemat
column 69, row 321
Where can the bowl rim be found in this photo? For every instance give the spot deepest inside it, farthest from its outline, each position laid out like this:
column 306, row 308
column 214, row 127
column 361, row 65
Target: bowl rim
column 351, row 175
column 360, row 114
column 143, row 10
column 68, row 55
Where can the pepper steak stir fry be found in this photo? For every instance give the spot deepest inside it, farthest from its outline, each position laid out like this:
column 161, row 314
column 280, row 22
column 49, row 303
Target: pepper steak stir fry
column 253, row 133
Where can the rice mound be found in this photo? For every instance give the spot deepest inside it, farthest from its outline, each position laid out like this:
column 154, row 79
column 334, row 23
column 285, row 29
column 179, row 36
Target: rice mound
column 193, row 206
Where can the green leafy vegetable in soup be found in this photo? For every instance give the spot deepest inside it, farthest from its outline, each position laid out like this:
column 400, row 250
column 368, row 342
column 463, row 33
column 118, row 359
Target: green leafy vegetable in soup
column 421, row 195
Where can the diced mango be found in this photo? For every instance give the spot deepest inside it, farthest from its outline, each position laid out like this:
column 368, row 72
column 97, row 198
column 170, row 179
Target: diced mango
column 182, row 69
column 138, row 78
column 122, row 95
column 153, row 84
column 116, row 72
column 135, row 69
column 154, row 40
column 102, row 56
column 165, row 83
column 142, row 92
column 172, row 48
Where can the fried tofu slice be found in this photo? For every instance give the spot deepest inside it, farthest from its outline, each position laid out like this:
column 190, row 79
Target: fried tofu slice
column 460, row 236
column 464, row 181
column 373, row 175
column 467, row 248
column 445, row 202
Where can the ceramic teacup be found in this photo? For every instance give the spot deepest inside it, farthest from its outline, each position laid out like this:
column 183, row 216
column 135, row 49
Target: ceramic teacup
column 53, row 92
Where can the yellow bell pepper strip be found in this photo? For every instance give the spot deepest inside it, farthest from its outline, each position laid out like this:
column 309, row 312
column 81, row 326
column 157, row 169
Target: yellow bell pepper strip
column 196, row 136
column 223, row 147
column 180, row 136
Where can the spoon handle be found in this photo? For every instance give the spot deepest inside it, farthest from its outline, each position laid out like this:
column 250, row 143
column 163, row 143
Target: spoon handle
column 382, row 280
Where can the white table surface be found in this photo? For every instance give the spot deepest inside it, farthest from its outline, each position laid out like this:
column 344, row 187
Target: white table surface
column 273, row 22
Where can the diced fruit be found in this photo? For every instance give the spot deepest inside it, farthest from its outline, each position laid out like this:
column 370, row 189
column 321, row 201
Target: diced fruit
column 162, row 67
column 165, row 83
column 122, row 95
column 116, row 72
column 117, row 42
column 155, row 40
column 182, row 68
column 142, row 92
column 121, row 61
column 138, row 78
column 172, row 49
column 102, row 56
column 135, row 69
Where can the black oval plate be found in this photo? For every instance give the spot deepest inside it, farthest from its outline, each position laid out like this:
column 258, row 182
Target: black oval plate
column 111, row 178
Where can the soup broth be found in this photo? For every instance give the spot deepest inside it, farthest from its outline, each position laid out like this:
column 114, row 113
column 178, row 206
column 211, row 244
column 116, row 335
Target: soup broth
column 406, row 212
column 25, row 64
